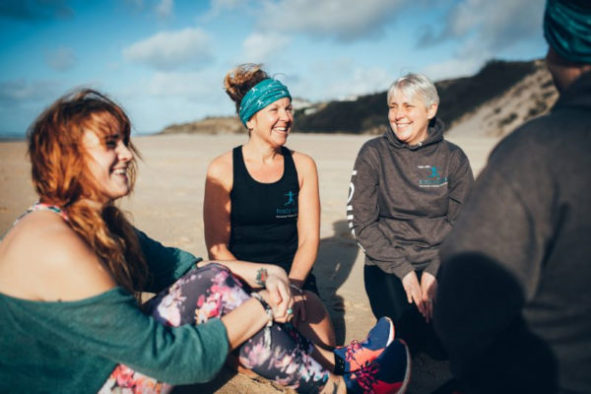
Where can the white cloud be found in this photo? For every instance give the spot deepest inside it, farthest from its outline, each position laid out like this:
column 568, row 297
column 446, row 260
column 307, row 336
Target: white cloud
column 495, row 25
column 362, row 80
column 170, row 50
column 258, row 47
column 61, row 59
column 483, row 30
column 453, row 68
column 346, row 20
column 341, row 79
column 217, row 7
column 221, row 5
column 175, row 97
column 190, row 85
column 164, row 8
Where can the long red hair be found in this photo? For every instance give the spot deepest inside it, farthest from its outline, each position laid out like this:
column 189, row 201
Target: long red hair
column 60, row 177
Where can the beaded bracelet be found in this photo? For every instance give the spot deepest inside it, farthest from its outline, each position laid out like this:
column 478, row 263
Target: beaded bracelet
column 261, row 278
column 269, row 312
column 268, row 309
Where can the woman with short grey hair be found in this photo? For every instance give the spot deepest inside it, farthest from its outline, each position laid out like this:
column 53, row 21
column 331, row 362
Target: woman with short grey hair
column 412, row 84
column 406, row 191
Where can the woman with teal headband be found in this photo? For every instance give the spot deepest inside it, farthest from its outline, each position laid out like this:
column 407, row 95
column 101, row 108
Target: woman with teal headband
column 262, row 204
column 262, row 201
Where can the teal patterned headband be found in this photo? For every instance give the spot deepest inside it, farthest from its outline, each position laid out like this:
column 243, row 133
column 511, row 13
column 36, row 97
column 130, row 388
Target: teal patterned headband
column 567, row 28
column 259, row 96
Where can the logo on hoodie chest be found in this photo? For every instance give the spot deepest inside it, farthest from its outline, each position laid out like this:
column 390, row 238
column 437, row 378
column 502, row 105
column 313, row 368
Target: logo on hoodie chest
column 430, row 177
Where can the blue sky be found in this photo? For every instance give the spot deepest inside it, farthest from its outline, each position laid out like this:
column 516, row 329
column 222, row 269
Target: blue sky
column 165, row 60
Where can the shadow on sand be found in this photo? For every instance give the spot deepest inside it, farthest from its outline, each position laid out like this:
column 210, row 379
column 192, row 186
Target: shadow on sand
column 336, row 256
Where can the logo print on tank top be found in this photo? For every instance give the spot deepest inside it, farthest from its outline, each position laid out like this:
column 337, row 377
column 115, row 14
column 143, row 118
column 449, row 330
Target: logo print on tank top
column 289, row 209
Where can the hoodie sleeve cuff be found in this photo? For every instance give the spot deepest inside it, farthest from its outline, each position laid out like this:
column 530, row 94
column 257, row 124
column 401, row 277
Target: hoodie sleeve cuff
column 433, row 268
column 398, row 269
column 403, row 270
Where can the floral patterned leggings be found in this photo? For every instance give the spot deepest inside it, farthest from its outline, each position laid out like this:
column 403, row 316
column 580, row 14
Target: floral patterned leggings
column 211, row 292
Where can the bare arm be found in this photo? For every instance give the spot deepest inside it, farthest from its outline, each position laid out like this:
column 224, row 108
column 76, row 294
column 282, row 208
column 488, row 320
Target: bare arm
column 308, row 219
column 217, row 208
column 245, row 321
column 248, row 271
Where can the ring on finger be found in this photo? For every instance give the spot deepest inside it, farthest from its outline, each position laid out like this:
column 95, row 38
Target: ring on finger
column 289, row 311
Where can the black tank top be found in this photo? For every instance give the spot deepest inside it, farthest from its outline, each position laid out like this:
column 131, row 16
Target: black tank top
column 264, row 215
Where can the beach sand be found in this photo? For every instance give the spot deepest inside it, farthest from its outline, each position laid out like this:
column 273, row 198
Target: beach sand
column 167, row 205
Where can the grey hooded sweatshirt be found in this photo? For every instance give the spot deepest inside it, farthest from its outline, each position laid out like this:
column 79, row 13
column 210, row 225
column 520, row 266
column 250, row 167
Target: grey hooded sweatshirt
column 403, row 200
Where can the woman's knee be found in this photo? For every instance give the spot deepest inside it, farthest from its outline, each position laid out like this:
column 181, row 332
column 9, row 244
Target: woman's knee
column 202, row 293
column 314, row 306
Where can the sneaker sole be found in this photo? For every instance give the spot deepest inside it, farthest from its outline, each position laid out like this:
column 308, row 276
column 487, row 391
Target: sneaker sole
column 392, row 331
column 406, row 380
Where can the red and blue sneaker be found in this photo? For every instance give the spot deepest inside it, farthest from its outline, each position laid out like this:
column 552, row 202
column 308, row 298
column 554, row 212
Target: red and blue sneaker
column 359, row 354
column 387, row 374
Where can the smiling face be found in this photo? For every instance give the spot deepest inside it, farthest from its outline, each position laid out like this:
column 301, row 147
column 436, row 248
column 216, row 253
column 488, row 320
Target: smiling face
column 409, row 117
column 272, row 123
column 108, row 158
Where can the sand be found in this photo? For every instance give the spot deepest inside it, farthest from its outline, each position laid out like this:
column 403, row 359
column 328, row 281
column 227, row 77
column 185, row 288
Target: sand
column 167, row 204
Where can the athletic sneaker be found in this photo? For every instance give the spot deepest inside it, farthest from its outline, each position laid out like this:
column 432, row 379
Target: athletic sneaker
column 387, row 374
column 359, row 354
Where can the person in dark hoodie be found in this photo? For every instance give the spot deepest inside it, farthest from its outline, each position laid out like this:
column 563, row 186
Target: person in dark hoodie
column 514, row 300
column 407, row 189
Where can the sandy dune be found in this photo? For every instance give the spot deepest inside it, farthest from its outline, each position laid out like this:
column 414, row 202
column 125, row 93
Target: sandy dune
column 167, row 204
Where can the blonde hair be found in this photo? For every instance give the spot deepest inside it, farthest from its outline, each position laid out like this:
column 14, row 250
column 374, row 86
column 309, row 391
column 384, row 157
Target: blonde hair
column 61, row 177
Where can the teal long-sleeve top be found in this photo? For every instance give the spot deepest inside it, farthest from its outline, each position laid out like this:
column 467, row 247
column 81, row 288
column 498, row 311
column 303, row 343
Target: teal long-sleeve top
column 72, row 347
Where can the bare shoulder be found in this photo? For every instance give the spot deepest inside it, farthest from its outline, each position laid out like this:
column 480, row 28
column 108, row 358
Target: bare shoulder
column 220, row 169
column 303, row 160
column 305, row 165
column 42, row 258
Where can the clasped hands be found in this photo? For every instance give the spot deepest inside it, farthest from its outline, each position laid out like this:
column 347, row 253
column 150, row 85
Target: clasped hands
column 422, row 294
column 277, row 293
